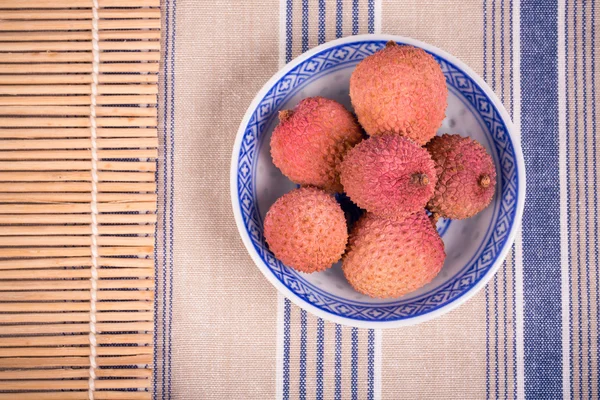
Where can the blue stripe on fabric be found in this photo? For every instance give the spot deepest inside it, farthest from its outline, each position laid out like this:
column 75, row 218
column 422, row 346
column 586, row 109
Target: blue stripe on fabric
column 586, row 193
column 304, row 25
column 492, row 81
column 321, row 34
column 371, row 365
column 289, row 8
column 303, row 334
column 165, row 201
column 485, row 77
column 594, row 163
column 171, row 197
column 320, row 350
column 502, row 50
column 496, row 339
column 504, row 272
column 339, row 18
column 287, row 313
column 371, row 16
column 493, row 44
column 541, row 230
column 568, row 162
column 287, row 306
column 355, row 17
column 514, row 282
column 577, row 219
column 354, row 369
column 487, row 342
column 338, row 362
column 487, row 301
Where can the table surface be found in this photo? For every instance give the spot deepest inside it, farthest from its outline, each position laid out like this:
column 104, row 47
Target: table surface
column 223, row 332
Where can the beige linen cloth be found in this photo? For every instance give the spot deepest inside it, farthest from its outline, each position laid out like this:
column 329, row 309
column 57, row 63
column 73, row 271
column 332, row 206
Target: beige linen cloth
column 223, row 332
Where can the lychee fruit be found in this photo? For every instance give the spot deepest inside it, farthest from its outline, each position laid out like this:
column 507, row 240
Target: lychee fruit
column 393, row 257
column 310, row 142
column 306, row 229
column 400, row 89
column 388, row 175
column 466, row 177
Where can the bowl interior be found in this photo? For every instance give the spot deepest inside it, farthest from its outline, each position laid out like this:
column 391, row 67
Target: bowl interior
column 472, row 246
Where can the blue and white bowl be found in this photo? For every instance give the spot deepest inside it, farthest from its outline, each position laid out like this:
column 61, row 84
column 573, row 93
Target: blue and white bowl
column 475, row 247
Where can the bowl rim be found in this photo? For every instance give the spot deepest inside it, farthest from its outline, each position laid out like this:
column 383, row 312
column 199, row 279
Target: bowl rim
column 510, row 128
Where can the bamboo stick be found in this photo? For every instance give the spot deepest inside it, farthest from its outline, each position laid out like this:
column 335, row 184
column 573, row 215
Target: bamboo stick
column 76, row 317
column 77, row 68
column 103, row 187
column 76, row 154
column 45, row 198
column 78, row 89
column 108, row 187
column 47, row 262
column 135, row 99
column 79, row 46
column 48, row 144
column 43, row 263
column 74, row 384
column 75, row 230
column 72, row 208
column 35, row 362
column 103, row 273
column 18, row 4
column 32, row 241
column 28, row 100
column 41, row 252
column 77, row 295
column 75, row 122
column 73, row 317
column 59, row 133
column 75, row 79
column 132, row 13
column 77, row 166
column 79, row 110
column 76, row 373
column 60, row 176
column 101, row 395
column 62, row 57
column 83, row 306
column 118, row 262
column 75, row 328
column 77, row 219
column 126, row 262
column 120, row 34
column 75, row 284
column 77, row 340
column 79, row 25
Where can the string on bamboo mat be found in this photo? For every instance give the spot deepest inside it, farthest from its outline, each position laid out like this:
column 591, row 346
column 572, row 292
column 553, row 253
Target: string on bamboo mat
column 78, row 148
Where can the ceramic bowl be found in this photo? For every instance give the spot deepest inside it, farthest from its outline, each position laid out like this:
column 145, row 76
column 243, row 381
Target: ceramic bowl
column 475, row 247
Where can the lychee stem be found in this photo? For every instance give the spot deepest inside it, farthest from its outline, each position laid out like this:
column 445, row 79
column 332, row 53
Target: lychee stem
column 434, row 219
column 284, row 115
column 420, row 179
column 484, row 181
column 390, row 43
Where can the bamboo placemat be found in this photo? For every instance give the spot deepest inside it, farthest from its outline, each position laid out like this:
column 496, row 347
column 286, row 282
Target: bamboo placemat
column 78, row 143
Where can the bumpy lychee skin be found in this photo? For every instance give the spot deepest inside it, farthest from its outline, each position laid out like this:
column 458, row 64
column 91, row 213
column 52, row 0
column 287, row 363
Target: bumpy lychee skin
column 306, row 230
column 466, row 177
column 390, row 258
column 310, row 142
column 399, row 89
column 388, row 175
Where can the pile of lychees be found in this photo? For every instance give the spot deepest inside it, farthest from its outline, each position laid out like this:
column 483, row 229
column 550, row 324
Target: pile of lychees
column 399, row 95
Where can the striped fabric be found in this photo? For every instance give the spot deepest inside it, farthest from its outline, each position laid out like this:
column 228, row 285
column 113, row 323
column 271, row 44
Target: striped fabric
column 533, row 332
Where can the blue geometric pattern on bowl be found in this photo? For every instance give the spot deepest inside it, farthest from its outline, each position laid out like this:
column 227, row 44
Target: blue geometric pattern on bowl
column 460, row 284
